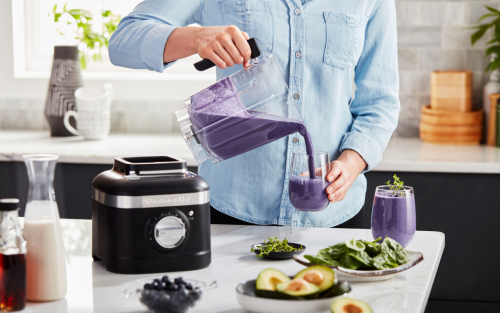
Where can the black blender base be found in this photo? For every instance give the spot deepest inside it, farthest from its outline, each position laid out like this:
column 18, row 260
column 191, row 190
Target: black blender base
column 159, row 265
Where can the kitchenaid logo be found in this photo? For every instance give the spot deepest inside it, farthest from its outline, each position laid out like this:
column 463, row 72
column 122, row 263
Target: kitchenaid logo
column 164, row 200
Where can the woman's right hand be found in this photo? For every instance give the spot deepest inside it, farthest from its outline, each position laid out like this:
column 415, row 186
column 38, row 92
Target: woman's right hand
column 223, row 45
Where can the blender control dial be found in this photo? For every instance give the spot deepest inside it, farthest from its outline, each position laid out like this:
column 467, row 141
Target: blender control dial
column 169, row 232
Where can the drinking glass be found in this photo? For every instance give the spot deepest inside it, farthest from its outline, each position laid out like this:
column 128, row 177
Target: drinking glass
column 393, row 214
column 306, row 193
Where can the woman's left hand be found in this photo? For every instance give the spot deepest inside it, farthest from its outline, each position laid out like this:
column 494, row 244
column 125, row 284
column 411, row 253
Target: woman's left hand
column 342, row 174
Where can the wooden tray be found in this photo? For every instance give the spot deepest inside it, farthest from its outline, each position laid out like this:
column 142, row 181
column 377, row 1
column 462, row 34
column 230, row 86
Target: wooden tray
column 451, row 134
column 442, row 117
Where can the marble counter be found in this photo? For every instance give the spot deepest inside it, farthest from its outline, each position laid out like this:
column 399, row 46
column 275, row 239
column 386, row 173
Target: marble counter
column 92, row 289
column 402, row 154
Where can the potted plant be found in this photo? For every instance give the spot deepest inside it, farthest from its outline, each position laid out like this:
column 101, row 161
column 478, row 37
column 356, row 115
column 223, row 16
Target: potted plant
column 66, row 76
column 492, row 51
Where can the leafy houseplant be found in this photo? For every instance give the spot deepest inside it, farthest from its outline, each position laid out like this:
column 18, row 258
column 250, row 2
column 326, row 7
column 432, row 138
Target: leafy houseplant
column 493, row 46
column 90, row 42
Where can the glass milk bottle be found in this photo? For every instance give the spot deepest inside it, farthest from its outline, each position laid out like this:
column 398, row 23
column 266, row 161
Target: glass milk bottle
column 46, row 268
column 12, row 258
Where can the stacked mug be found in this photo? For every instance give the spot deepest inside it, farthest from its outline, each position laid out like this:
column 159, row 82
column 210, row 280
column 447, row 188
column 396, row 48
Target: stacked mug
column 93, row 115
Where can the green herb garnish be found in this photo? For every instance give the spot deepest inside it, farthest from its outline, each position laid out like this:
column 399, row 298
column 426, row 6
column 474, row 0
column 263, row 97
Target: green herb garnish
column 273, row 244
column 361, row 254
column 397, row 186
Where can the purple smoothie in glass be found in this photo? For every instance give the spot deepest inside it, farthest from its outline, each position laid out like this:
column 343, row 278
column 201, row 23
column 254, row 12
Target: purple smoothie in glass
column 394, row 215
column 308, row 194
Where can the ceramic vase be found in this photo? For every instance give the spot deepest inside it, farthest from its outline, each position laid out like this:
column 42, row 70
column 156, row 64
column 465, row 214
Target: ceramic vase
column 64, row 80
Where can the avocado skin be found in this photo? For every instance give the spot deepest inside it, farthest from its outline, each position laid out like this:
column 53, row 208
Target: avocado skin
column 336, row 290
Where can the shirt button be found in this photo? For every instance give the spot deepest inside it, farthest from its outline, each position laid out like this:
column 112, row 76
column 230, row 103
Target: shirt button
column 298, row 54
column 296, row 96
column 297, row 11
column 295, row 139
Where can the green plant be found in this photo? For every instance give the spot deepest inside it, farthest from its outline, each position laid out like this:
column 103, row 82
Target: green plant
column 397, row 185
column 273, row 244
column 493, row 46
column 90, row 41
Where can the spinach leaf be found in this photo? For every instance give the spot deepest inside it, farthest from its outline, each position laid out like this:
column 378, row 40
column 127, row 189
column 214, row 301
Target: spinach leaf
column 349, row 262
column 354, row 244
column 401, row 255
column 334, row 252
column 362, row 257
column 371, row 247
column 320, row 261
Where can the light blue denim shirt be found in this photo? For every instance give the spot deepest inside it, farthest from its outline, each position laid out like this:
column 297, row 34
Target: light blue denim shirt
column 322, row 47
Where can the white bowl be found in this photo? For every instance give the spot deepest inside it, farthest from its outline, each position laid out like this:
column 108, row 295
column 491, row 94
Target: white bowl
column 245, row 293
column 369, row 276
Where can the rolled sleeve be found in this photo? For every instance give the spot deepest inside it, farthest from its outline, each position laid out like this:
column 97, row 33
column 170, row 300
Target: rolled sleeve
column 153, row 47
column 140, row 38
column 365, row 146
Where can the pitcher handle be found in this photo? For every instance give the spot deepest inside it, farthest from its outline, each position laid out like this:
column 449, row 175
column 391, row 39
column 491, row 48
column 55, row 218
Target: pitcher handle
column 68, row 126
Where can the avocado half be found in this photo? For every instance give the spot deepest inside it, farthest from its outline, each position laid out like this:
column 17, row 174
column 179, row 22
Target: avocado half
column 321, row 276
column 269, row 278
column 343, row 304
column 298, row 287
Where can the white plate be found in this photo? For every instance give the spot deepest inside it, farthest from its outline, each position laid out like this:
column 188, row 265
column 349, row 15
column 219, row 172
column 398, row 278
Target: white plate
column 245, row 293
column 368, row 276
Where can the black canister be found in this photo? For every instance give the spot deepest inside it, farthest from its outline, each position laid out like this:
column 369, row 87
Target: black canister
column 150, row 215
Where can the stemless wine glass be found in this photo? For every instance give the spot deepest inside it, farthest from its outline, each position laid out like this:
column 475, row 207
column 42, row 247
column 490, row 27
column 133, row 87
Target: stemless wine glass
column 306, row 193
column 393, row 214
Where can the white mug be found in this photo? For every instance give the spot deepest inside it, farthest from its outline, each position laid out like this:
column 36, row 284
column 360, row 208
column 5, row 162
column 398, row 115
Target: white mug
column 93, row 117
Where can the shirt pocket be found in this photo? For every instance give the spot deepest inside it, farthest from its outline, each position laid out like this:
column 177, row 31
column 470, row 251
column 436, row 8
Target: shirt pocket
column 251, row 16
column 345, row 36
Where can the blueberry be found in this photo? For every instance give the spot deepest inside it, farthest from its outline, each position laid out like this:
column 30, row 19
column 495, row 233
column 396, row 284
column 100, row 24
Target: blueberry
column 189, row 286
column 182, row 287
column 156, row 283
column 195, row 295
column 175, row 287
column 164, row 278
column 179, row 281
column 148, row 286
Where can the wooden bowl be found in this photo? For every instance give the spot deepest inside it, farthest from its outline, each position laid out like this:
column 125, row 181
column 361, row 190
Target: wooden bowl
column 451, row 128
column 442, row 117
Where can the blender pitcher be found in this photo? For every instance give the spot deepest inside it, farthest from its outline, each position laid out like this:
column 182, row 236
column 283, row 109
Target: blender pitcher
column 239, row 113
column 45, row 262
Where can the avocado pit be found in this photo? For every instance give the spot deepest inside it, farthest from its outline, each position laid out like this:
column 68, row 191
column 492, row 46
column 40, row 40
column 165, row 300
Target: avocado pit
column 314, row 277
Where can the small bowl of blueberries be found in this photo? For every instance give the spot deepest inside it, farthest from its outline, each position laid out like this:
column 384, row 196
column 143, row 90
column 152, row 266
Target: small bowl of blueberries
column 164, row 295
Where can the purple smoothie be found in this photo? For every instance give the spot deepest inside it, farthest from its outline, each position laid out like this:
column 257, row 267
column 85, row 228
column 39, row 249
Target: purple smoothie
column 308, row 194
column 226, row 128
column 394, row 217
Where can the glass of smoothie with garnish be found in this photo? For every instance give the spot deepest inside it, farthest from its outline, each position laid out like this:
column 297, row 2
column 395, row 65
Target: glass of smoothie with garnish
column 393, row 213
column 307, row 190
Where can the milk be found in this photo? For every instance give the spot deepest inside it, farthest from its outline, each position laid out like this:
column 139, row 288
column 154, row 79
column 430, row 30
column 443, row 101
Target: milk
column 45, row 263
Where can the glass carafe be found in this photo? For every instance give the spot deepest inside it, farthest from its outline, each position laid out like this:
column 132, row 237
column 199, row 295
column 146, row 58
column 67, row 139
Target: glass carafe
column 46, row 268
column 12, row 258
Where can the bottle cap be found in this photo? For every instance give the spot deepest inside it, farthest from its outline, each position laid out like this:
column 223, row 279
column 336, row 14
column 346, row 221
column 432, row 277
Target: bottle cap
column 9, row 204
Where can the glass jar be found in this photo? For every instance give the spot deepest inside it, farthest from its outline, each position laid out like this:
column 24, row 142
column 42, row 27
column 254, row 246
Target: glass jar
column 46, row 267
column 12, row 258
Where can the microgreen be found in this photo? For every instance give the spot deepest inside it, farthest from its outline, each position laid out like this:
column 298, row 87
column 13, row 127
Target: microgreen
column 273, row 244
column 397, row 186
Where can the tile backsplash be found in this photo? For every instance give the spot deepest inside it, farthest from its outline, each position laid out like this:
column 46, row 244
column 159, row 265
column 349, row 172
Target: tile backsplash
column 435, row 35
column 432, row 35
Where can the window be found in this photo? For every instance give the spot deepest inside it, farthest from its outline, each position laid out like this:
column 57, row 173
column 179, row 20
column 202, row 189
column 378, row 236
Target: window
column 35, row 36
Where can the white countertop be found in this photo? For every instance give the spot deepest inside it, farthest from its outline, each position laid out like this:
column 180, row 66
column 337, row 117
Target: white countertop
column 402, row 154
column 92, row 289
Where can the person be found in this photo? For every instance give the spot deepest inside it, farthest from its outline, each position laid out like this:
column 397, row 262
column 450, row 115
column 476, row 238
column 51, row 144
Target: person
column 339, row 59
